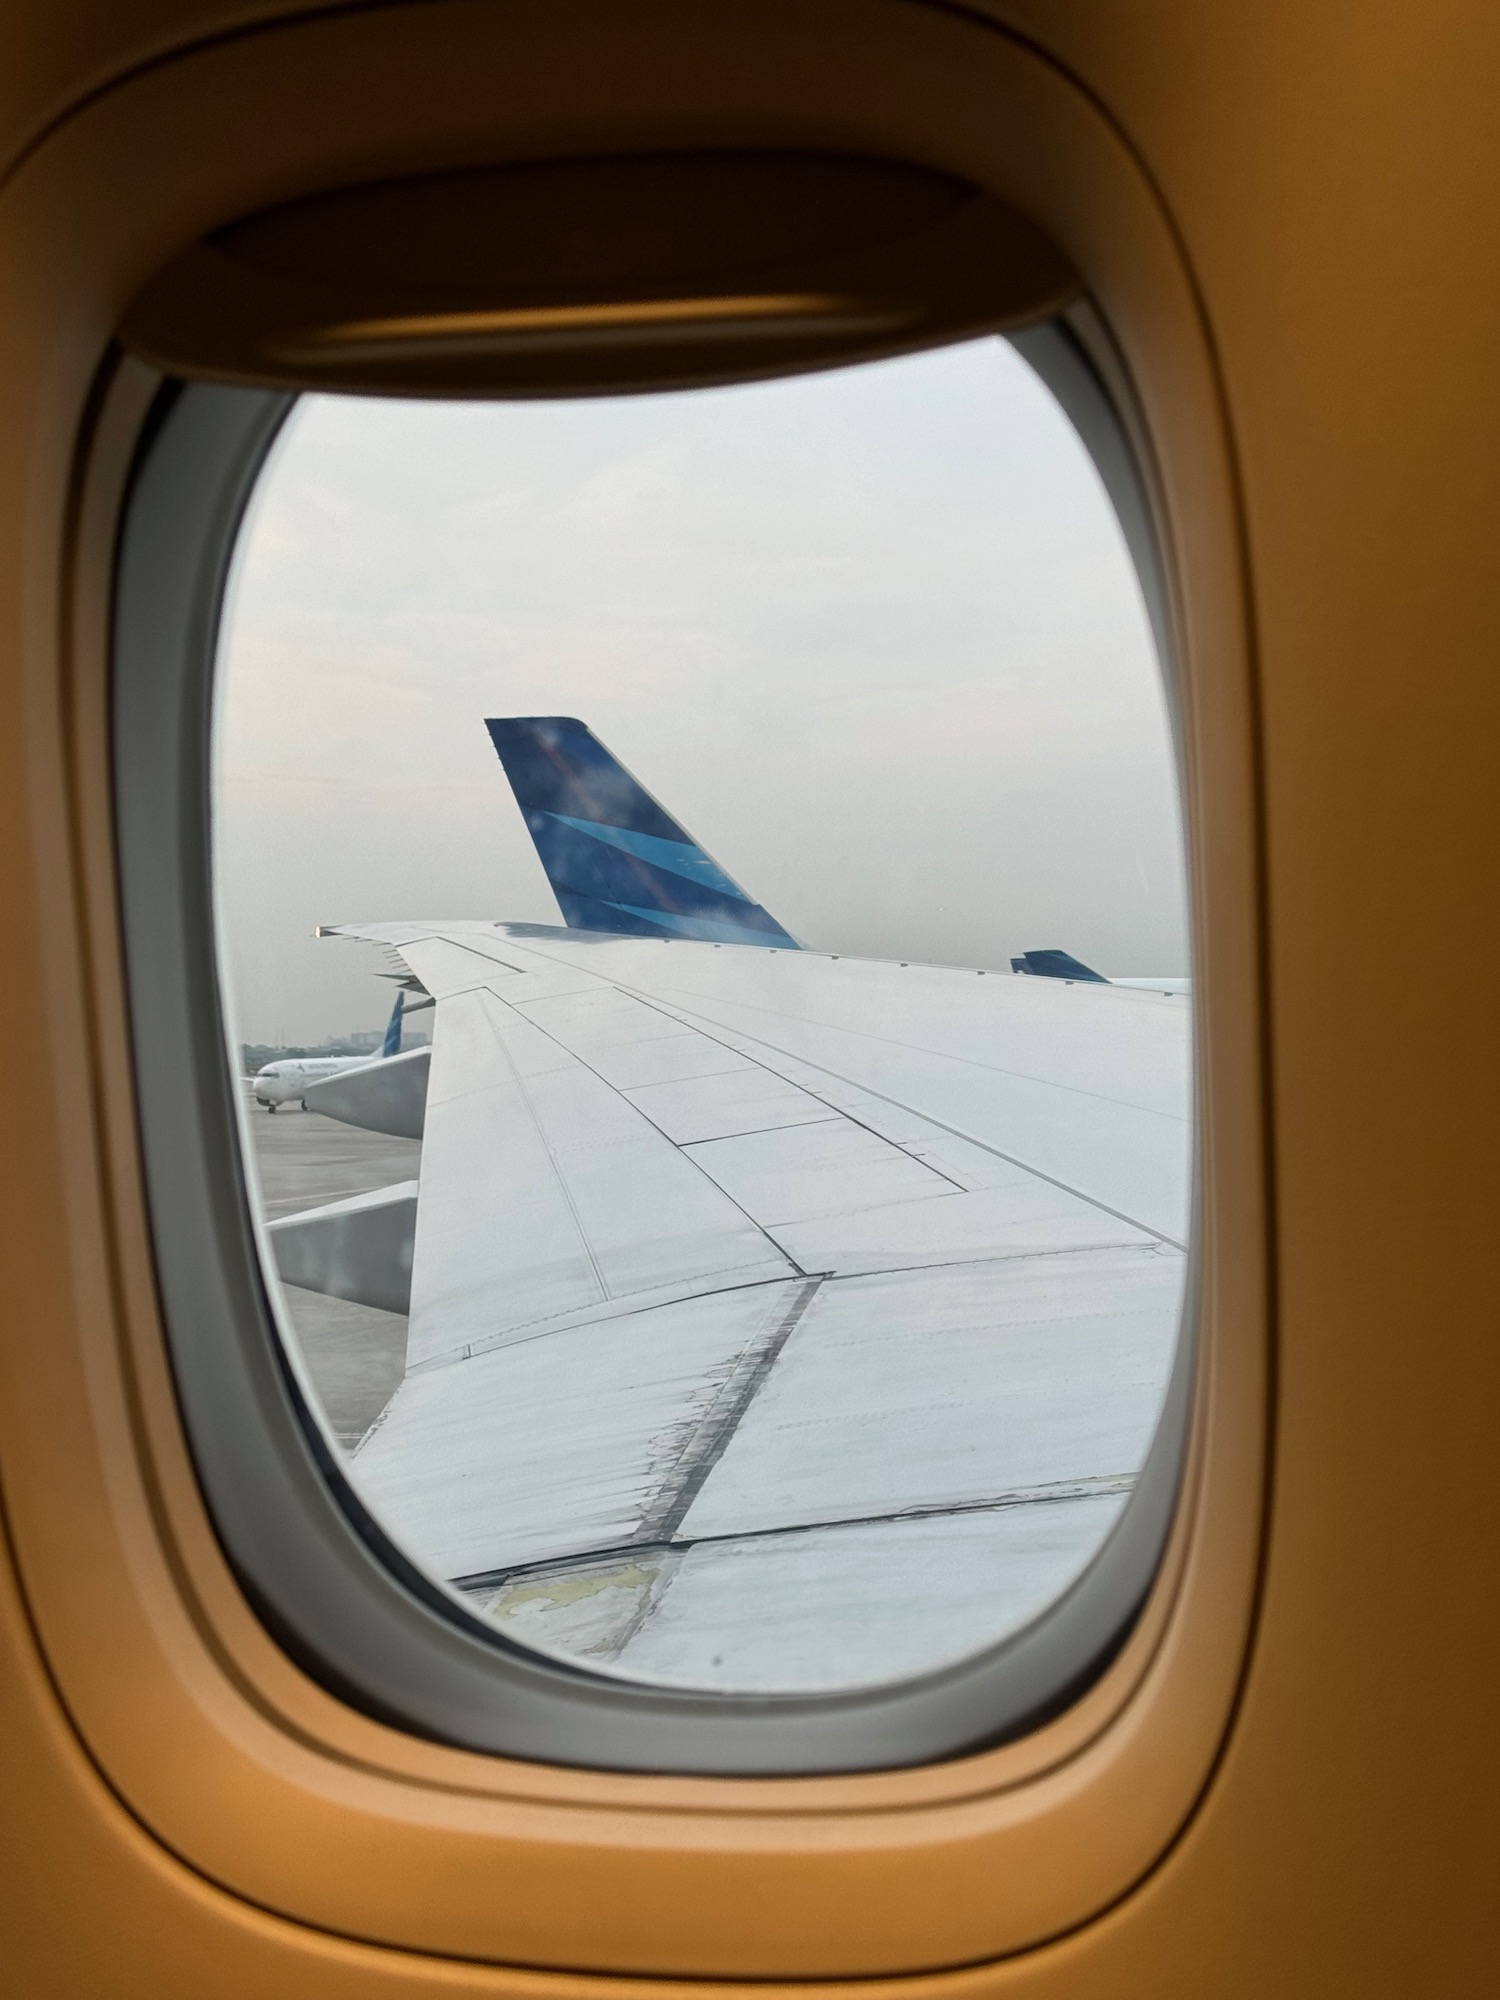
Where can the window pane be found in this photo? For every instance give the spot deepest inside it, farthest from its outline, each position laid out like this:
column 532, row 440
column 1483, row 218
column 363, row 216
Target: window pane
column 731, row 1229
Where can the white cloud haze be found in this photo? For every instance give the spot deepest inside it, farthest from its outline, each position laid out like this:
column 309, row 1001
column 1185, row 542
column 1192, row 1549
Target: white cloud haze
column 872, row 637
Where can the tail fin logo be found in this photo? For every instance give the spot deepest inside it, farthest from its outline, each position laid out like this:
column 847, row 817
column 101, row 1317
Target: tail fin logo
column 617, row 861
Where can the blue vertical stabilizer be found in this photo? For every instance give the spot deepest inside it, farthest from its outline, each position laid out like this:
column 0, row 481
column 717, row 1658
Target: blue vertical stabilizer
column 615, row 859
column 391, row 1046
column 1057, row 965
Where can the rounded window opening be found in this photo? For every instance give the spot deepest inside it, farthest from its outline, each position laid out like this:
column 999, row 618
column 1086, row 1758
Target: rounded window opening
column 704, row 940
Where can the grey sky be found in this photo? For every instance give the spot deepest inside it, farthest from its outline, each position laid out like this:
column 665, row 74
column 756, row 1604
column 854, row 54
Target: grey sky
column 872, row 637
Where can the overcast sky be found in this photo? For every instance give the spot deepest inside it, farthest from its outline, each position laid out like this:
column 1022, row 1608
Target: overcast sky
column 872, row 637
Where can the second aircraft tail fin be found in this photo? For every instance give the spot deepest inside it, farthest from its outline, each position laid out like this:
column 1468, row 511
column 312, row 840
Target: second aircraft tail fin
column 391, row 1046
column 1057, row 965
column 617, row 861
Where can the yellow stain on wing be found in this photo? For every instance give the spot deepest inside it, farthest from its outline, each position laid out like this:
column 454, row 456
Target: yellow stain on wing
column 569, row 1589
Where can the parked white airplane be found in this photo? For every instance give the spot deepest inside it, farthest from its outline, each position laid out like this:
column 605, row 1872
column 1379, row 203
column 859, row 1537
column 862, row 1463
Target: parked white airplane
column 777, row 1320
column 289, row 1080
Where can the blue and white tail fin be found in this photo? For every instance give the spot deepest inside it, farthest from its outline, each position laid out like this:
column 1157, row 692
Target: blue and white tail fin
column 1057, row 965
column 616, row 860
column 391, row 1046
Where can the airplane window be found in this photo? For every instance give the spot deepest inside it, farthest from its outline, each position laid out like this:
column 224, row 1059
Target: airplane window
column 703, row 926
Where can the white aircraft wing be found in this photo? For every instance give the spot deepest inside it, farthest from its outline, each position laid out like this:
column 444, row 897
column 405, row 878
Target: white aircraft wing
column 777, row 1320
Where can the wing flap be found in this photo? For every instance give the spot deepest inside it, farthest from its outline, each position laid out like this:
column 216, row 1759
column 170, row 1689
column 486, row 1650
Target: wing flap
column 869, row 1602
column 945, row 1387
column 562, row 1443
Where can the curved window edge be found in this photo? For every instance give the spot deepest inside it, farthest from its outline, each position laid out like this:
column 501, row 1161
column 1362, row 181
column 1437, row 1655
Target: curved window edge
column 328, row 1585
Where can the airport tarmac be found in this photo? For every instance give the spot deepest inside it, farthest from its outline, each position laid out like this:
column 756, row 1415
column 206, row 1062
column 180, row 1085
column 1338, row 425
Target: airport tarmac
column 355, row 1355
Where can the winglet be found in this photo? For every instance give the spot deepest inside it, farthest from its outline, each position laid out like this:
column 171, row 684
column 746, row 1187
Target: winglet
column 617, row 861
column 1056, row 965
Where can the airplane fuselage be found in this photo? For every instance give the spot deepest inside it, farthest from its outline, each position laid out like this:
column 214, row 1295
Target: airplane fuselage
column 285, row 1082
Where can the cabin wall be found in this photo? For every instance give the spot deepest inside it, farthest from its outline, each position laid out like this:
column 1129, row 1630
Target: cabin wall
column 1332, row 174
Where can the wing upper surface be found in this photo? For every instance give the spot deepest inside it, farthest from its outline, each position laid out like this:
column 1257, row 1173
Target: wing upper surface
column 734, row 1267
